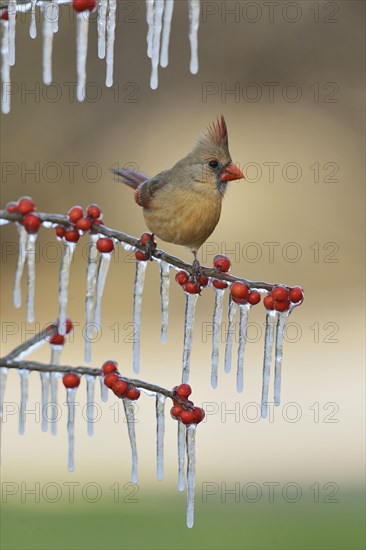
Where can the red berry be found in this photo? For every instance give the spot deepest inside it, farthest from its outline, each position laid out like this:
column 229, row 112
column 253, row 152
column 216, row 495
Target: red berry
column 60, row 231
column 133, row 393
column 94, row 211
column 268, row 302
column 176, row 411
column 254, row 297
column 83, row 5
column 12, row 207
column 120, row 388
column 140, row 256
column 31, row 223
column 105, row 245
column 199, row 415
column 26, row 205
column 5, row 15
column 145, row 238
column 68, row 325
column 239, row 291
column 282, row 306
column 203, row 281
column 187, row 417
column 181, row 277
column 75, row 213
column 280, row 294
column 72, row 235
column 296, row 294
column 57, row 340
column 219, row 284
column 222, row 263
column 183, row 390
column 71, row 380
column 110, row 379
column 109, row 366
column 83, row 224
column 192, row 287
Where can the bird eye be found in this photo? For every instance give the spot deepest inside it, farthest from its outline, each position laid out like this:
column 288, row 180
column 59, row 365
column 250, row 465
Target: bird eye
column 213, row 163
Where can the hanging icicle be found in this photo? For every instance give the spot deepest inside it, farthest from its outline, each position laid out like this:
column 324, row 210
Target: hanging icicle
column 158, row 20
column 22, row 254
column 160, row 429
column 56, row 351
column 69, row 249
column 103, row 390
column 194, row 21
column 47, row 42
column 191, row 301
column 91, row 277
column 90, row 381
column 3, row 378
column 102, row 18
column 130, row 419
column 45, row 384
column 103, row 268
column 111, row 31
column 5, row 68
column 191, row 472
column 267, row 359
column 137, row 303
column 181, row 454
column 33, row 24
column 23, row 373
column 12, row 13
column 31, row 263
column 82, row 29
column 150, row 26
column 164, row 298
column 168, row 13
column 230, row 334
column 243, row 329
column 70, row 399
column 216, row 329
column 281, row 322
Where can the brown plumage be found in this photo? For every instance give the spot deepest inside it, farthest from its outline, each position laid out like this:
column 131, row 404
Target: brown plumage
column 183, row 205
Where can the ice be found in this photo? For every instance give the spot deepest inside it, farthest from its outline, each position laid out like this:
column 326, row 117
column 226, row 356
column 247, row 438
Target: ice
column 281, row 322
column 130, row 419
column 103, row 390
column 191, row 300
column 54, row 377
column 191, row 472
column 168, row 12
column 12, row 12
column 243, row 329
column 216, row 328
column 23, row 373
column 164, row 298
column 33, row 24
column 102, row 17
column 267, row 359
column 22, row 254
column 90, row 382
column 31, row 262
column 5, row 68
column 104, row 263
column 160, row 429
column 82, row 28
column 91, row 272
column 158, row 20
column 111, row 27
column 150, row 25
column 64, row 284
column 137, row 303
column 45, row 384
column 181, row 454
column 55, row 15
column 230, row 334
column 194, row 20
column 70, row 398
column 47, row 42
column 3, row 377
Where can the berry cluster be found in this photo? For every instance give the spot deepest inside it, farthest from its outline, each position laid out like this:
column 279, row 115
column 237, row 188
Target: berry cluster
column 188, row 414
column 26, row 208
column 190, row 283
column 241, row 294
column 281, row 298
column 83, row 5
column 58, row 339
column 119, row 386
column 146, row 240
column 80, row 223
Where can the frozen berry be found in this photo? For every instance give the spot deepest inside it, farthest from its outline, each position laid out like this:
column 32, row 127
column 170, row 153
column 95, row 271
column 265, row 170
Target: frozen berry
column 71, row 380
column 83, row 224
column 94, row 211
column 296, row 294
column 282, row 306
column 31, row 223
column 268, row 302
column 57, row 340
column 140, row 256
column 110, row 379
column 254, row 297
column 183, row 390
column 109, row 366
column 203, row 281
column 68, row 325
column 192, row 287
column 105, row 245
column 26, row 205
column 75, row 213
column 239, row 291
column 146, row 238
column 187, row 417
column 199, row 415
column 280, row 294
column 72, row 235
column 219, row 284
column 12, row 207
column 120, row 388
column 181, row 277
column 4, row 15
column 60, row 231
column 222, row 263
column 133, row 393
column 83, row 5
column 176, row 411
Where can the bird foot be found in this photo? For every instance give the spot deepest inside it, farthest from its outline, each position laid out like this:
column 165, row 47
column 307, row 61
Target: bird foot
column 196, row 270
column 150, row 248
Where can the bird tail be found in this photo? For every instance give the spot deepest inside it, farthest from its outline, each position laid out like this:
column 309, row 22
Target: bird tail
column 132, row 178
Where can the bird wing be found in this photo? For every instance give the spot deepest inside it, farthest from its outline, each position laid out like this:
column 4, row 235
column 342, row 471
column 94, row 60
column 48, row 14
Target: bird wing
column 147, row 190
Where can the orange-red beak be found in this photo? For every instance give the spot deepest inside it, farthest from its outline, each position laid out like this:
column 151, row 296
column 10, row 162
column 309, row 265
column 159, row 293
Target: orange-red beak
column 231, row 173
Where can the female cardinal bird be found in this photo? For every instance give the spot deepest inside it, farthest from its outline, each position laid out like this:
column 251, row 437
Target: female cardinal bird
column 183, row 205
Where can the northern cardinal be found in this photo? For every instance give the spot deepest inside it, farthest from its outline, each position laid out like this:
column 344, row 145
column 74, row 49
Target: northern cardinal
column 183, row 205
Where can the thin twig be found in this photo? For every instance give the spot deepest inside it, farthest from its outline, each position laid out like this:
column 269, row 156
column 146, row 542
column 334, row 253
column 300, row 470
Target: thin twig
column 49, row 331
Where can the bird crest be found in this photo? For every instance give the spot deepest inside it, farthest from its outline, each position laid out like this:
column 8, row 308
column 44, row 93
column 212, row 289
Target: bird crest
column 214, row 141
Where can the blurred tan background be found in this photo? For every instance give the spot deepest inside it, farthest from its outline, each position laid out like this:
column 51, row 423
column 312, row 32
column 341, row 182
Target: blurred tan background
column 315, row 227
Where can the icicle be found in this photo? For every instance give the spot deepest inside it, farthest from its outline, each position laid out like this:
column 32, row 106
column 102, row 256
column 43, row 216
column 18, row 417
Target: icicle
column 103, row 390
column 45, row 382
column 168, row 12
column 3, row 377
column 82, row 28
column 54, row 377
column 55, row 15
column 191, row 300
column 194, row 20
column 22, row 254
column 268, row 345
column 164, row 298
column 216, row 329
column 23, row 373
column 102, row 15
column 243, row 329
column 130, row 419
column 5, row 68
column 230, row 334
column 160, row 428
column 91, row 272
column 104, row 263
column 150, row 25
column 47, row 43
column 158, row 19
column 281, row 322
column 191, row 472
column 181, row 454
column 137, row 302
column 111, row 27
column 12, row 13
column 71, row 393
column 31, row 262
column 64, row 284
column 90, row 381
column 33, row 24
